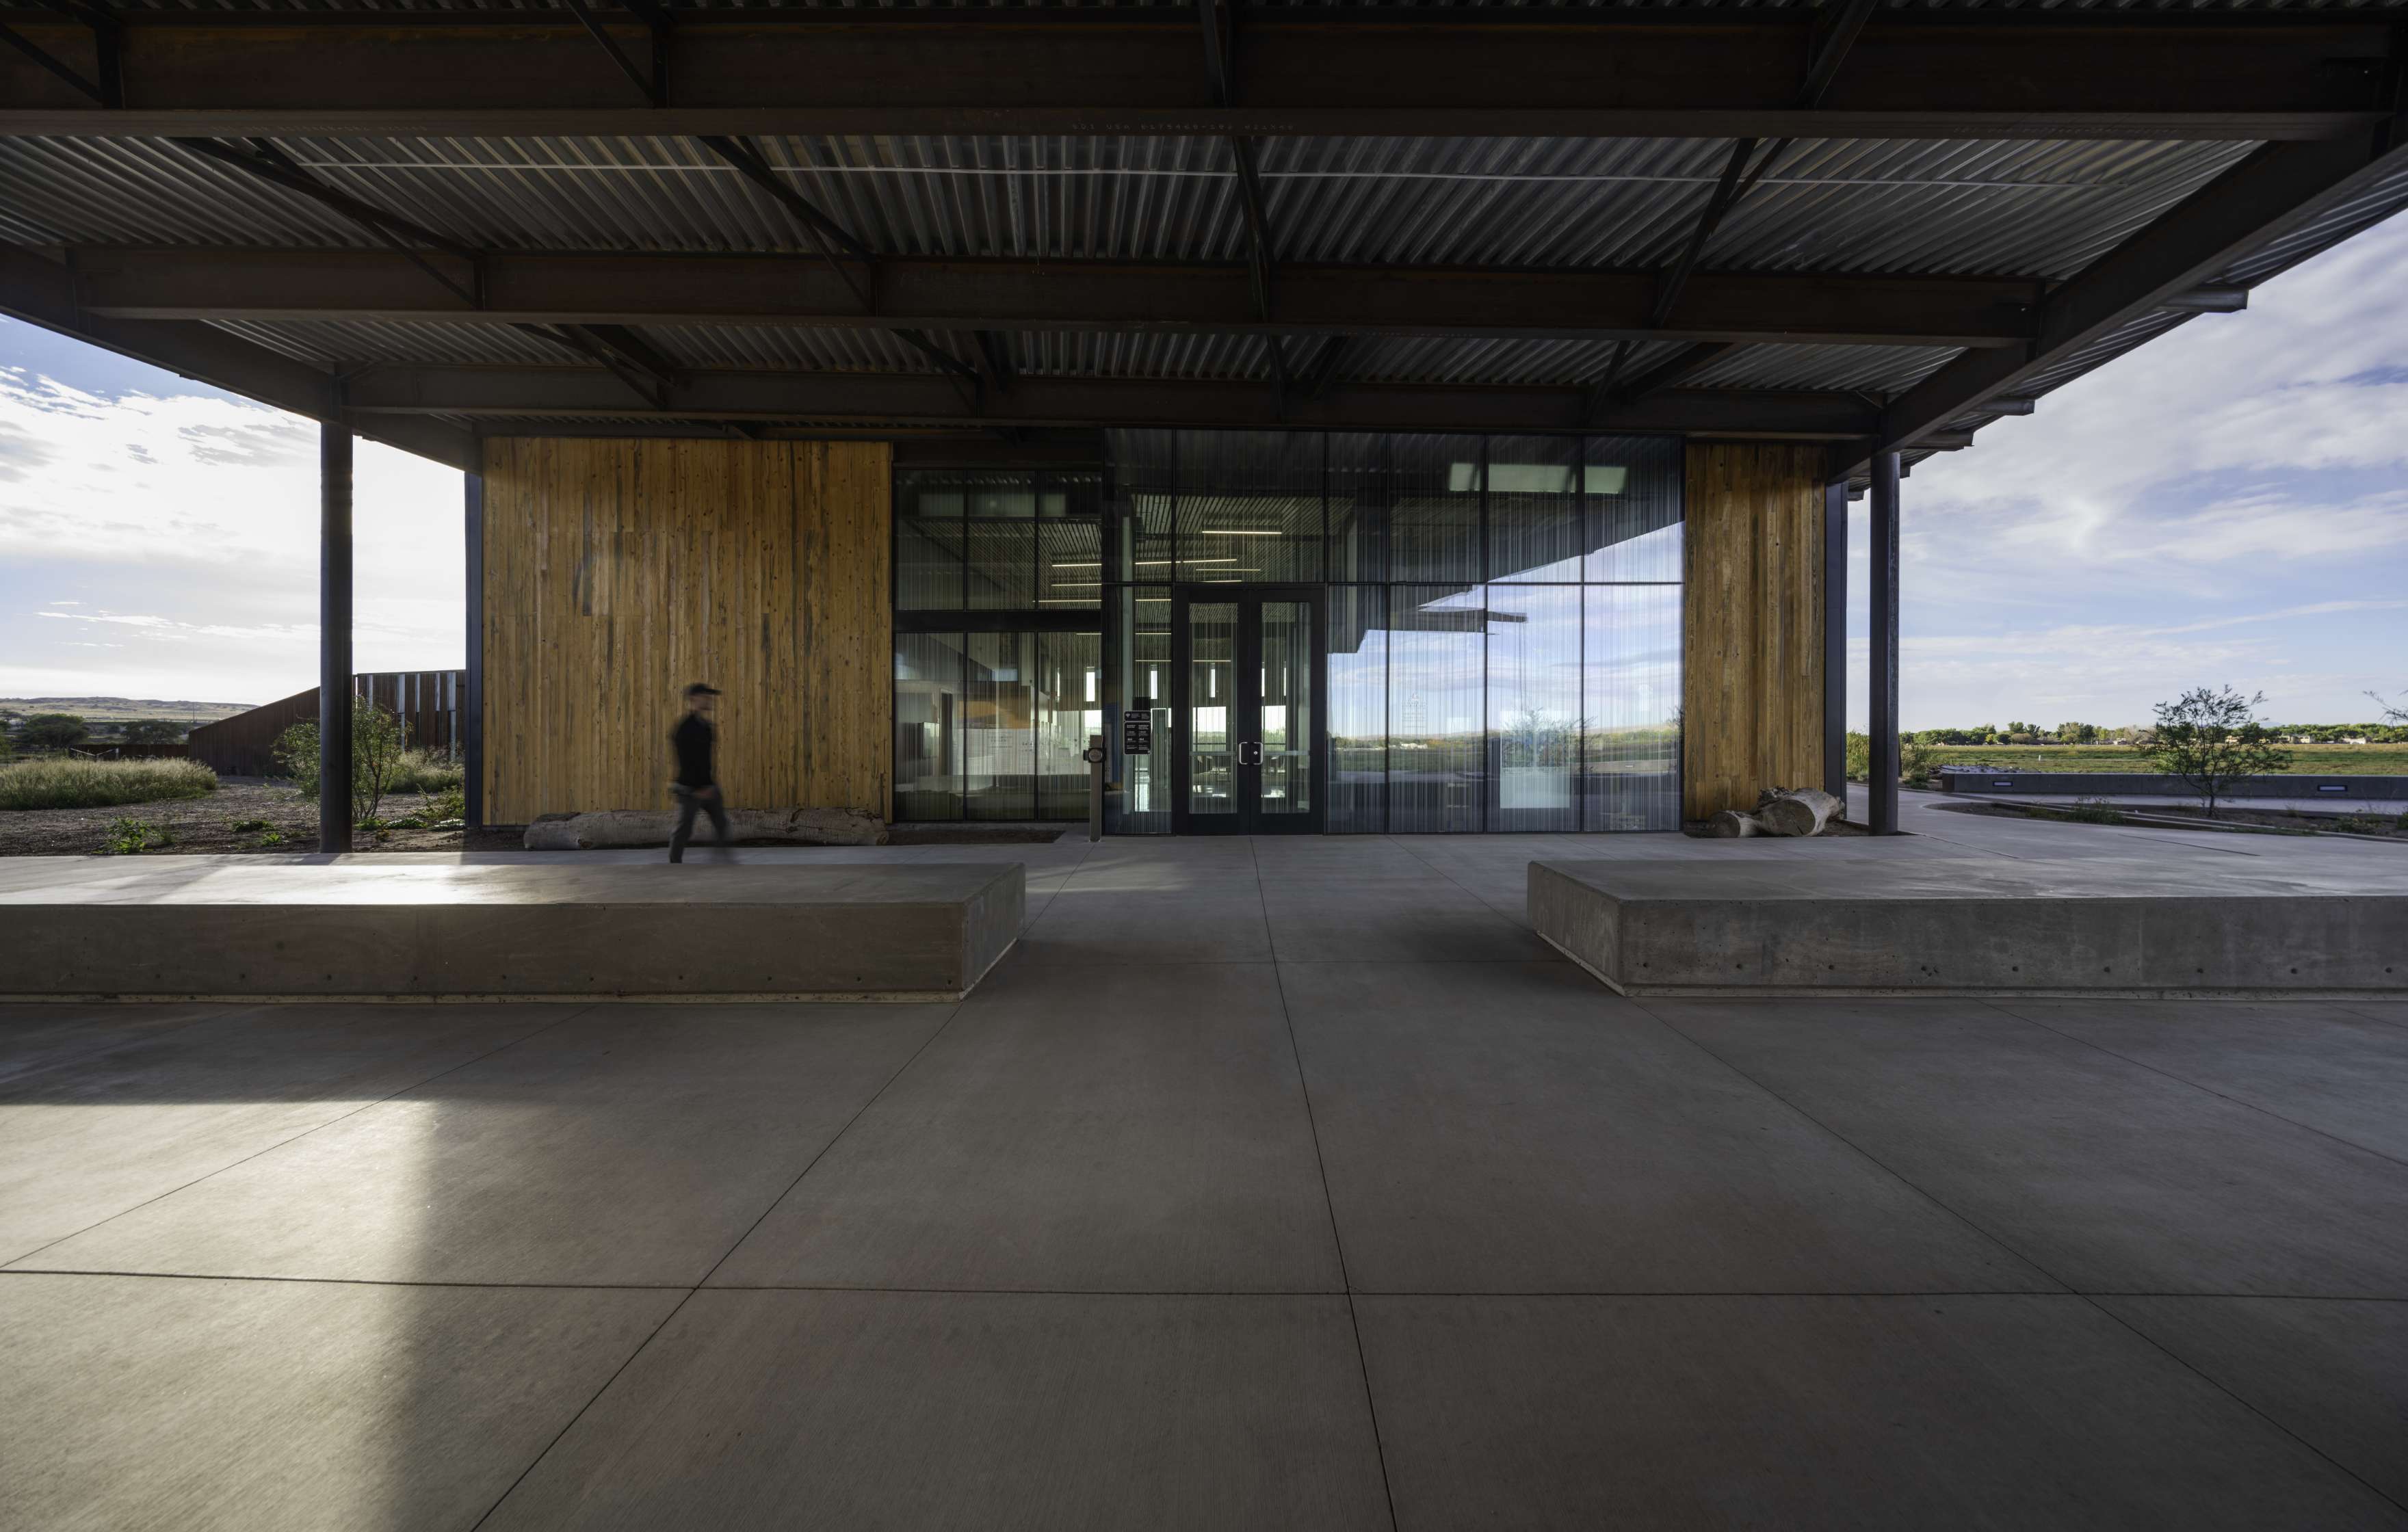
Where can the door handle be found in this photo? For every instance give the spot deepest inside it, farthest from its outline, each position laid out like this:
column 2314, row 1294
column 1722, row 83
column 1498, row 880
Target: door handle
column 1246, row 745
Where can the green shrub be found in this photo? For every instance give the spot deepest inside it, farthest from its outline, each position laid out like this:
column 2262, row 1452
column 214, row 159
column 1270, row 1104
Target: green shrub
column 67, row 782
column 2094, row 811
column 452, row 803
column 377, row 757
column 296, row 753
column 248, row 826
column 128, row 837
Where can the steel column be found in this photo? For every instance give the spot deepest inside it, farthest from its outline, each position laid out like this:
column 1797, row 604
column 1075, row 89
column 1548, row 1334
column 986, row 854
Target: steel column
column 1880, row 680
column 1835, row 639
column 334, row 638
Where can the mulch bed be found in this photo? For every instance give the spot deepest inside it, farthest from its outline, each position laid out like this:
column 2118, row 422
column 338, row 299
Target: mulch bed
column 207, row 825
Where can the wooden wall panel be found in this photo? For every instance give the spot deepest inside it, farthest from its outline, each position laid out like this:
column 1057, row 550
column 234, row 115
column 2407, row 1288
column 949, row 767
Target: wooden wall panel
column 616, row 572
column 1751, row 680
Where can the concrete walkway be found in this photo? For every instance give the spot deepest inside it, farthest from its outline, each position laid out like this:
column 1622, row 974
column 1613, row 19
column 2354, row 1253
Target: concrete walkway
column 1281, row 1183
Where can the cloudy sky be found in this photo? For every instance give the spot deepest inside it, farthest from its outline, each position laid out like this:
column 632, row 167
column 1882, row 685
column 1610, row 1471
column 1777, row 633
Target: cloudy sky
column 2228, row 504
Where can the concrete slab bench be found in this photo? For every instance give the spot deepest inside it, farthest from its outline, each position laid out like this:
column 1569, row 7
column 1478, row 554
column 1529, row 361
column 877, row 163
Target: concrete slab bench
column 240, row 928
column 1931, row 925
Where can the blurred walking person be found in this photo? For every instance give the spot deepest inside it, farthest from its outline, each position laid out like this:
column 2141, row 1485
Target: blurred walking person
column 696, row 787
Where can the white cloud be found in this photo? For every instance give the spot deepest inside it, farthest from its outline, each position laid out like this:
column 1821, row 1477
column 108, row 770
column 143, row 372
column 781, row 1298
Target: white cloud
column 2229, row 502
column 186, row 524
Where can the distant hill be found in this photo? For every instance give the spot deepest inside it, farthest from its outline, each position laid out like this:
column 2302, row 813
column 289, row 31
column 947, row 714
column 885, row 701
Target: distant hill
column 125, row 710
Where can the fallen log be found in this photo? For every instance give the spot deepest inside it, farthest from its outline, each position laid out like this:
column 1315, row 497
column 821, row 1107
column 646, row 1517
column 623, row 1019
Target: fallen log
column 1733, row 823
column 1797, row 811
column 608, row 828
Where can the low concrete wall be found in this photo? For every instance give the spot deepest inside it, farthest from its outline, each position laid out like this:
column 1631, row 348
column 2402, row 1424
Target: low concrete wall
column 288, row 931
column 2110, row 784
column 1875, row 925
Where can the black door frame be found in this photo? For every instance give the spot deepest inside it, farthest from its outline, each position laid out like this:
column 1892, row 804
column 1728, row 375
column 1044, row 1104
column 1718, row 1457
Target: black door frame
column 1245, row 777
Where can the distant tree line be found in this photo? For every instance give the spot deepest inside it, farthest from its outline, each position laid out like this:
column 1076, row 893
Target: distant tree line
column 2019, row 733
column 48, row 734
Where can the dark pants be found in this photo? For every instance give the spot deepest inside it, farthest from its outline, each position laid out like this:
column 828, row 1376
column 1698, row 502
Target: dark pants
column 690, row 801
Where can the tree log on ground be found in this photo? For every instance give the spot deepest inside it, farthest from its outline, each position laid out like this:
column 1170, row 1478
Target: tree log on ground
column 1733, row 823
column 1799, row 811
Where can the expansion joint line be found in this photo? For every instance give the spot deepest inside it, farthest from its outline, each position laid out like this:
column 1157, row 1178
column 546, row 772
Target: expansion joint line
column 1328, row 1202
column 2065, row 1288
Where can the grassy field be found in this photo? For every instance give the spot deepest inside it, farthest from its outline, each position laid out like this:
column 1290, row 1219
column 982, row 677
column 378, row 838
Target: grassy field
column 2306, row 760
column 99, row 710
column 64, row 783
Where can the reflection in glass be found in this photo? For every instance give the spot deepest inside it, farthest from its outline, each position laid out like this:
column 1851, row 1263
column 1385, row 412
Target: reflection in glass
column 1357, row 513
column 1212, row 672
column 1286, row 708
column 1534, row 704
column 1634, row 509
column 1534, row 508
column 1358, row 709
column 1002, row 564
column 927, row 563
column 1431, row 493
column 1249, row 505
column 1436, row 714
column 998, row 742
column 927, row 719
column 1070, row 563
column 1069, row 708
column 1631, row 680
column 1145, row 673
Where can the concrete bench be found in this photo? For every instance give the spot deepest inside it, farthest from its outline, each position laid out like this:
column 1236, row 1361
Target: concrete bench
column 1931, row 925
column 382, row 928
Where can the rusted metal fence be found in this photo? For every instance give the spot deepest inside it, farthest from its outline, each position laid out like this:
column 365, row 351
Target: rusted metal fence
column 427, row 702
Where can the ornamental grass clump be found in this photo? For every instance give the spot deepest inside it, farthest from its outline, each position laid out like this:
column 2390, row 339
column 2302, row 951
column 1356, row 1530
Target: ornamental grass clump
column 67, row 783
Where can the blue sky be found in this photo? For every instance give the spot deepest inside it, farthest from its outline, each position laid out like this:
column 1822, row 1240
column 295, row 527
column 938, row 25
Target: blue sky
column 2230, row 504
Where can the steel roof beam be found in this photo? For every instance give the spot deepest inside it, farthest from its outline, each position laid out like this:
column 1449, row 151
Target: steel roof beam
column 1462, row 71
column 270, row 285
column 41, row 291
column 2185, row 249
column 1035, row 400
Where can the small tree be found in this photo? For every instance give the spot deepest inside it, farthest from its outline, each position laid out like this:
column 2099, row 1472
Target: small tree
column 2391, row 713
column 2209, row 736
column 154, row 731
column 376, row 753
column 53, row 731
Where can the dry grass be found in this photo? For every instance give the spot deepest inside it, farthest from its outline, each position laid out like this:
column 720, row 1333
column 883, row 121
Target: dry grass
column 65, row 783
column 425, row 771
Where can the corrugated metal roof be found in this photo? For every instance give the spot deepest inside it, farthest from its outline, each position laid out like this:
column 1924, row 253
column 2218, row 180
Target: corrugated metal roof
column 1873, row 369
column 2041, row 211
column 2033, row 209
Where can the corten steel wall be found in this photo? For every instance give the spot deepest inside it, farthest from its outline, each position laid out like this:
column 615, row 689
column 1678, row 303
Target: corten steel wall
column 617, row 571
column 426, row 701
column 1752, row 693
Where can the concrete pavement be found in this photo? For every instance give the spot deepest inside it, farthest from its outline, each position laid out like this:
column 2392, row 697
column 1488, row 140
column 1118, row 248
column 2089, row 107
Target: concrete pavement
column 1274, row 1184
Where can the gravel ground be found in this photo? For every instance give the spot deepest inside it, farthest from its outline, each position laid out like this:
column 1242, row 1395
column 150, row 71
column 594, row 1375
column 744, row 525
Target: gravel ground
column 207, row 825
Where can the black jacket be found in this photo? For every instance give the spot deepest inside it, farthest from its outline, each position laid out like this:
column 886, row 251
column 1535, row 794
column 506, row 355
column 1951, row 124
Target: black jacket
column 693, row 738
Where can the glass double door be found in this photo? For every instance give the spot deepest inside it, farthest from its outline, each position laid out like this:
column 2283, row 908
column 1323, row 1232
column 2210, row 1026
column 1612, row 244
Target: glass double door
column 1246, row 690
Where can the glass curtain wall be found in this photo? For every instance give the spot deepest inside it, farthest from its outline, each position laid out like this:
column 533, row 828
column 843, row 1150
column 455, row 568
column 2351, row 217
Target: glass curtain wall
column 1504, row 616
column 999, row 643
column 1503, row 628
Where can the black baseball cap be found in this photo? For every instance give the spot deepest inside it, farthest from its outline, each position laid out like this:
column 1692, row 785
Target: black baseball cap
column 702, row 689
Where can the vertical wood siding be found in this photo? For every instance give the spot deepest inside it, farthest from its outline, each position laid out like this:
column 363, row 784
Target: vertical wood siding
column 616, row 572
column 1752, row 688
